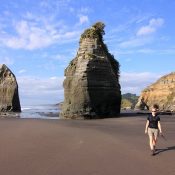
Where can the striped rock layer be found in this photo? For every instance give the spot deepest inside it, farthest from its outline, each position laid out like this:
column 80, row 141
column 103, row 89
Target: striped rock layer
column 91, row 86
column 9, row 97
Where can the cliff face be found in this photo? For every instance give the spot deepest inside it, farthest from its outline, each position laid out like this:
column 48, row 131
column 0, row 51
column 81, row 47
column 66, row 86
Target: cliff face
column 9, row 98
column 161, row 92
column 91, row 87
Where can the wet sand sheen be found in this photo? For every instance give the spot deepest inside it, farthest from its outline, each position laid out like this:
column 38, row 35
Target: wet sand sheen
column 90, row 147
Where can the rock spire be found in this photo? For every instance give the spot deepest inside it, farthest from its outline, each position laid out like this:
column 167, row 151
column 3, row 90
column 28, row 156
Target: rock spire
column 9, row 98
column 91, row 86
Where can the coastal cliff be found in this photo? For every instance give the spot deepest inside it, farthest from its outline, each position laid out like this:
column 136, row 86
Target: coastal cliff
column 9, row 97
column 162, row 92
column 91, row 87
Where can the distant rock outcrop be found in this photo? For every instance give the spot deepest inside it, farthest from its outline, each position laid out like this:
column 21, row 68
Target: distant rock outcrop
column 9, row 98
column 91, row 87
column 161, row 92
column 129, row 101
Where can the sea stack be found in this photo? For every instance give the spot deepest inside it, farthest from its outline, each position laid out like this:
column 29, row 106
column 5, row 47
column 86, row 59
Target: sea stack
column 9, row 97
column 91, row 86
column 162, row 92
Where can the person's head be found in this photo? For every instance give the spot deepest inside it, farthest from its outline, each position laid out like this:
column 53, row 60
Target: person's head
column 154, row 111
column 156, row 106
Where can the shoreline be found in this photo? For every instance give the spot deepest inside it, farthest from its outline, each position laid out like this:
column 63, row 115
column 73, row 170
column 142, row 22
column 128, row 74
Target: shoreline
column 55, row 115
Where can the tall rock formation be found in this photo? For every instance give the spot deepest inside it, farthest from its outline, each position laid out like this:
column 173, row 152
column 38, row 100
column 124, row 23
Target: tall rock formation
column 91, row 87
column 161, row 92
column 9, row 98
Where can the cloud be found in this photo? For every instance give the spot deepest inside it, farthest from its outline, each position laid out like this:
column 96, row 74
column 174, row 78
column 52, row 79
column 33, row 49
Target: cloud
column 152, row 27
column 134, row 82
column 143, row 35
column 31, row 30
column 127, row 24
column 60, row 57
column 83, row 19
column 164, row 51
column 50, row 90
column 29, row 37
column 32, row 35
column 84, row 10
column 46, row 90
column 54, row 5
column 81, row 10
column 135, row 42
column 144, row 50
column 21, row 71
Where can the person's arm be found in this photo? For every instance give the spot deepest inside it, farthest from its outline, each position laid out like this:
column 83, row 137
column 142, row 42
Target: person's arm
column 146, row 127
column 160, row 128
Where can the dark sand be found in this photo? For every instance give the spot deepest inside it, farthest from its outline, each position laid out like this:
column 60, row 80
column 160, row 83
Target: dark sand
column 84, row 147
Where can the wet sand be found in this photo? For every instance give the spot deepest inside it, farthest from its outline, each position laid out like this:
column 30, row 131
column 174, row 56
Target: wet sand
column 84, row 147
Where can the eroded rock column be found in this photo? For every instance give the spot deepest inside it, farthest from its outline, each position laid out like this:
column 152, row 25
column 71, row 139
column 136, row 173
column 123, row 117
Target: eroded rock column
column 91, row 87
column 9, row 97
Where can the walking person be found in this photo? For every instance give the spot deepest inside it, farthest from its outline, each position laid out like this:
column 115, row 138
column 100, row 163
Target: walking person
column 153, row 128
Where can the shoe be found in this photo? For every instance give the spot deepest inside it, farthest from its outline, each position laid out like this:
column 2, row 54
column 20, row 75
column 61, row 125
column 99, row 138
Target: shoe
column 153, row 152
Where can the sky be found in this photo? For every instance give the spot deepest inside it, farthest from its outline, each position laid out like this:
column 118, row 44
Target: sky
column 38, row 39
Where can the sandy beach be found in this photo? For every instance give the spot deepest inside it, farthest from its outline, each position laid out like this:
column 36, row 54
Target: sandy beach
column 84, row 147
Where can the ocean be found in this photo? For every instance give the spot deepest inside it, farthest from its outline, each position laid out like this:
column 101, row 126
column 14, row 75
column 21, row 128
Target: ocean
column 49, row 111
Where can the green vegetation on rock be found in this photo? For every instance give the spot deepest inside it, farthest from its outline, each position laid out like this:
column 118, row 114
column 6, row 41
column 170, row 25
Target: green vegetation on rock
column 96, row 31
